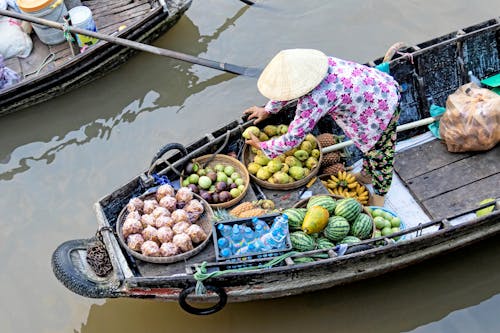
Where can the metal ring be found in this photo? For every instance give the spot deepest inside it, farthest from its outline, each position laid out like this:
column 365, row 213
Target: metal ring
column 204, row 311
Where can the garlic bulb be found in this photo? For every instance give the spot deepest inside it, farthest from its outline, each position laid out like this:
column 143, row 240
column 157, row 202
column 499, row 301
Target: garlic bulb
column 163, row 191
column 194, row 209
column 133, row 215
column 169, row 249
column 183, row 196
column 164, row 221
column 179, row 215
column 135, row 242
column 183, row 242
column 131, row 226
column 165, row 235
column 196, row 233
column 150, row 234
column 149, row 206
column 135, row 204
column 147, row 219
column 180, row 227
column 159, row 211
column 169, row 203
column 150, row 249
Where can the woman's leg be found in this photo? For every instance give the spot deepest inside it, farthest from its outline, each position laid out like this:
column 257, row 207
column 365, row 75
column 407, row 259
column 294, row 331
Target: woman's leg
column 378, row 162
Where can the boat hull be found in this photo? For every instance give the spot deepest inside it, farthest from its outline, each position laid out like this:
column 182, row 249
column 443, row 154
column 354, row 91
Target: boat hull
column 88, row 66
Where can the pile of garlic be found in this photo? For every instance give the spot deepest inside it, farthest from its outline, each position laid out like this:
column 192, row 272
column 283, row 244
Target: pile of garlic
column 164, row 225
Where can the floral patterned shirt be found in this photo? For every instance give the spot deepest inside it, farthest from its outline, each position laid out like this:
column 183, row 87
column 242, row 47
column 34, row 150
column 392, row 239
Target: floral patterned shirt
column 360, row 99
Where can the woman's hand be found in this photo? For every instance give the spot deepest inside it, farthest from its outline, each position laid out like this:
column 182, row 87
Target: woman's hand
column 253, row 141
column 257, row 113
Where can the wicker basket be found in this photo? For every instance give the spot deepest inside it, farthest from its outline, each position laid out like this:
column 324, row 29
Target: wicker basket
column 204, row 221
column 303, row 203
column 248, row 157
column 226, row 160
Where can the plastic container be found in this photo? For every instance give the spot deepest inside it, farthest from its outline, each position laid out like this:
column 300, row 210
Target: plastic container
column 81, row 17
column 52, row 10
column 402, row 225
column 256, row 251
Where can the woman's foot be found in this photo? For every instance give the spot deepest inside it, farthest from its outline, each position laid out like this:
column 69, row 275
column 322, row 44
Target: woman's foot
column 362, row 178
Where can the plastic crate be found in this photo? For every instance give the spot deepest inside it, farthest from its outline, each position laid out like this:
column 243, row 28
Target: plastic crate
column 238, row 259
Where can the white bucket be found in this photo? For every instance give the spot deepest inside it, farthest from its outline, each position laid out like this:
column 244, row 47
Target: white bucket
column 81, row 17
column 53, row 10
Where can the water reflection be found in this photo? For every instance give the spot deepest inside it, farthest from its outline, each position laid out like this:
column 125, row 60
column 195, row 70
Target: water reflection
column 16, row 157
column 395, row 302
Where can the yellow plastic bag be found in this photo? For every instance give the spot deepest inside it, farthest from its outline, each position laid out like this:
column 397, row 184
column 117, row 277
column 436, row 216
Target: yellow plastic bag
column 472, row 119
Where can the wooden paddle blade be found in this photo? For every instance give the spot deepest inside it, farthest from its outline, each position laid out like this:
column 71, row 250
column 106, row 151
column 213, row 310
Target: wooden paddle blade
column 245, row 71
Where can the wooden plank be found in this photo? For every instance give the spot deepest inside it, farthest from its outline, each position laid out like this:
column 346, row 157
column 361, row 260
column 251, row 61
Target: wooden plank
column 456, row 174
column 423, row 159
column 463, row 198
column 119, row 8
column 104, row 22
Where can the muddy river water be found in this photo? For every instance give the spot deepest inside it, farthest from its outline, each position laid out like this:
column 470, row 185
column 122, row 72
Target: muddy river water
column 58, row 158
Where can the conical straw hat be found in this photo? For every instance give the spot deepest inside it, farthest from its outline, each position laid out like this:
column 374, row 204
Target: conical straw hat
column 292, row 74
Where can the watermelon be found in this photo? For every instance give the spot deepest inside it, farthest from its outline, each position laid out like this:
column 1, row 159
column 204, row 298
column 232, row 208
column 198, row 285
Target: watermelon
column 348, row 208
column 295, row 217
column 350, row 240
column 302, row 241
column 324, row 243
column 324, row 201
column 337, row 228
column 303, row 260
column 362, row 227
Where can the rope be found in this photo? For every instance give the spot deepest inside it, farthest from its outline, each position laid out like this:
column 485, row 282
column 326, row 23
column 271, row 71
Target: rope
column 66, row 32
column 97, row 255
column 44, row 63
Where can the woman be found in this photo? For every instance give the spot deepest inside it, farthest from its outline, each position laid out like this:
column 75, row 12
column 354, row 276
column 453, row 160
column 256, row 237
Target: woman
column 362, row 100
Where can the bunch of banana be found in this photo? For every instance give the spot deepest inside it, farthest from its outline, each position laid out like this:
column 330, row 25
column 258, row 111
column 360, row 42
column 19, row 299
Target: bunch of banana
column 345, row 185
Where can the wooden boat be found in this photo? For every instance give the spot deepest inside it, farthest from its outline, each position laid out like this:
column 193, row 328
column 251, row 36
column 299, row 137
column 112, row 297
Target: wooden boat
column 439, row 213
column 51, row 70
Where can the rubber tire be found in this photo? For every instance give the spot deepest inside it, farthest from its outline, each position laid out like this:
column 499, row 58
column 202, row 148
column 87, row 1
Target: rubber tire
column 358, row 248
column 169, row 146
column 205, row 311
column 73, row 279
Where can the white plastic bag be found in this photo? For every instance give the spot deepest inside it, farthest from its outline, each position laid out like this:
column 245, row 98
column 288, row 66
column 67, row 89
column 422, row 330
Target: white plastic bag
column 14, row 42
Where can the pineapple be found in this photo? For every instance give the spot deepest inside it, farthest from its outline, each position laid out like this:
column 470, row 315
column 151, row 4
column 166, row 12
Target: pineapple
column 330, row 159
column 333, row 169
column 326, row 139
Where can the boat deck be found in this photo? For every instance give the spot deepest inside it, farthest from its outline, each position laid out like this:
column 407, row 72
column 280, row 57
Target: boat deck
column 109, row 16
column 445, row 183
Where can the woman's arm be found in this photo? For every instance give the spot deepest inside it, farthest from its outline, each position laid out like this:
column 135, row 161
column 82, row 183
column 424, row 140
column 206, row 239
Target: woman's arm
column 303, row 123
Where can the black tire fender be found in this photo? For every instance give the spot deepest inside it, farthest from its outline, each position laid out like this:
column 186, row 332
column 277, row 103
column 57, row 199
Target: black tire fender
column 169, row 146
column 204, row 311
column 74, row 279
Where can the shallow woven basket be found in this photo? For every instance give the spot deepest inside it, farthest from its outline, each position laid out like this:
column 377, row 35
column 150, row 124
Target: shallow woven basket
column 248, row 156
column 204, row 221
column 303, row 203
column 226, row 160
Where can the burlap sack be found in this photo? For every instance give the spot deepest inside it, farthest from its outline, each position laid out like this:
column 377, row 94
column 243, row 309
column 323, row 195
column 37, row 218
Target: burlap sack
column 471, row 121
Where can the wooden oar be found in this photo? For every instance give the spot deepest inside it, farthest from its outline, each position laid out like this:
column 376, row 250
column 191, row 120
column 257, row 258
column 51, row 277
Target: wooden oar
column 226, row 67
column 400, row 128
column 248, row 2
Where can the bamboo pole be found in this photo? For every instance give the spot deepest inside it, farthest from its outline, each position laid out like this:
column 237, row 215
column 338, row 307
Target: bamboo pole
column 226, row 67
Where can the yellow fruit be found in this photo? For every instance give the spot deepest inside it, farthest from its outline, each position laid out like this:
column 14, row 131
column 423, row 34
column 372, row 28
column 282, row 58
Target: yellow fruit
column 315, row 220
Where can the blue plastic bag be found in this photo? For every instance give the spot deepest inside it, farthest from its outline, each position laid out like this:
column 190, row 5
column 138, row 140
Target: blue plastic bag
column 7, row 76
